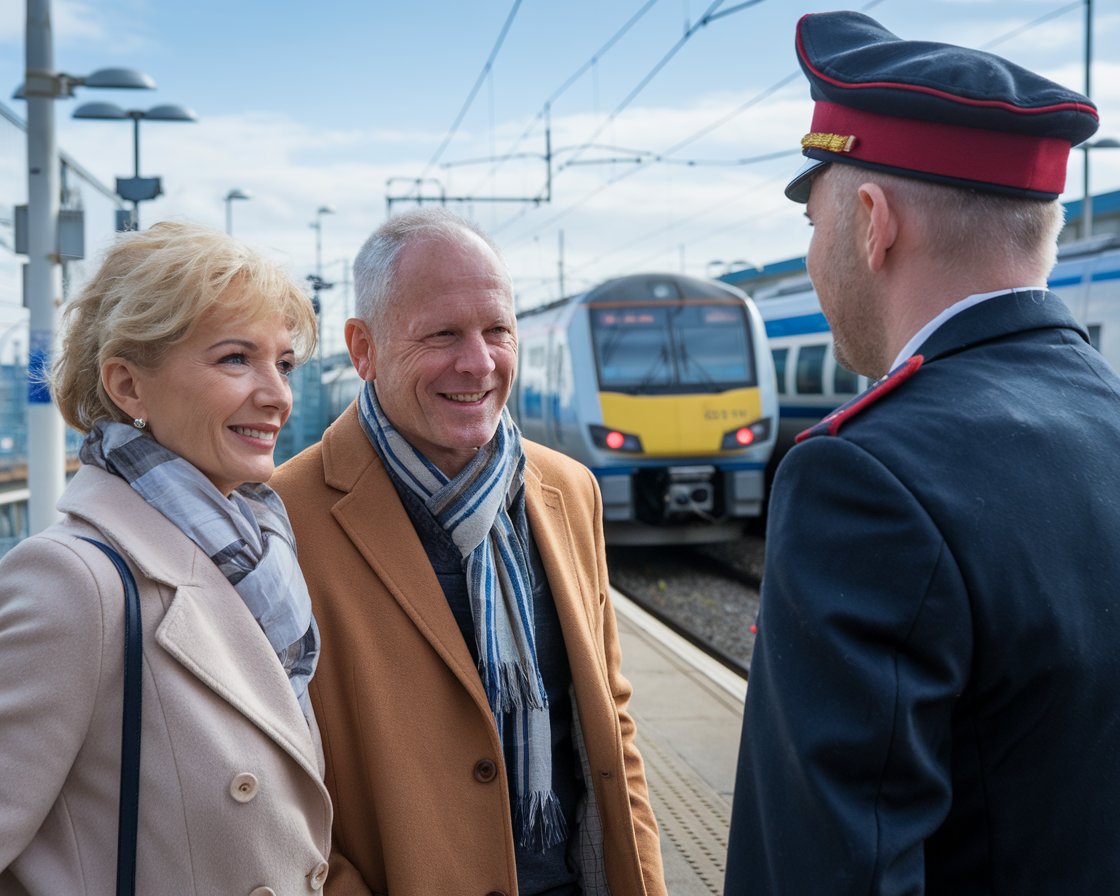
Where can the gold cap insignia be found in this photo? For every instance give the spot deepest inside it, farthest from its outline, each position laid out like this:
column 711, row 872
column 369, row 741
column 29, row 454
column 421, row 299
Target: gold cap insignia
column 829, row 142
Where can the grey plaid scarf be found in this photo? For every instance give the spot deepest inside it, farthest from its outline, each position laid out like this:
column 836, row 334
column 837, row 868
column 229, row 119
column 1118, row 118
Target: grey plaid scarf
column 483, row 510
column 248, row 536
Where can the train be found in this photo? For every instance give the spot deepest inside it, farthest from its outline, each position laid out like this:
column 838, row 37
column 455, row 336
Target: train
column 662, row 385
column 811, row 383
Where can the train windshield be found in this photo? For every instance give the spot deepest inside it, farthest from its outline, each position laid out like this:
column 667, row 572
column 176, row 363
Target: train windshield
column 672, row 348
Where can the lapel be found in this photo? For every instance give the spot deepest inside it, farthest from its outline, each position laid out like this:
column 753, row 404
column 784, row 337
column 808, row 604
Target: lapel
column 997, row 318
column 576, row 603
column 371, row 514
column 207, row 629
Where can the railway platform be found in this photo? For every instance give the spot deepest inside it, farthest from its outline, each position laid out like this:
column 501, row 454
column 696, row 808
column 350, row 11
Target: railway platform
column 688, row 708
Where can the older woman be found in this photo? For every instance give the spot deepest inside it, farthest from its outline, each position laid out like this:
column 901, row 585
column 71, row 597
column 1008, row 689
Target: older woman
column 175, row 364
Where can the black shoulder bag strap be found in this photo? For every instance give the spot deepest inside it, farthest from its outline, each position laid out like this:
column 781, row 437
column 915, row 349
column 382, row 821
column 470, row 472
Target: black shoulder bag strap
column 130, row 726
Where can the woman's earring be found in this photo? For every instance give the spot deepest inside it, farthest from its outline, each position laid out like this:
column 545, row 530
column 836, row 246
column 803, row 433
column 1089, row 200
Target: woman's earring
column 139, row 422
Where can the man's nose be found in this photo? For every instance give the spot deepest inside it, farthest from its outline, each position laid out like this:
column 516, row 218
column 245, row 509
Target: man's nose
column 475, row 356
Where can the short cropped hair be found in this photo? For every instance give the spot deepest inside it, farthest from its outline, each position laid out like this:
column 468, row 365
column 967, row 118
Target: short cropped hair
column 968, row 226
column 375, row 266
column 152, row 288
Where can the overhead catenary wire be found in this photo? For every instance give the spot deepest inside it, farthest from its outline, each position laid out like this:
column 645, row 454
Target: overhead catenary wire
column 652, row 73
column 1003, row 38
column 643, row 159
column 681, row 144
column 711, row 14
column 474, row 90
column 572, row 79
column 648, row 159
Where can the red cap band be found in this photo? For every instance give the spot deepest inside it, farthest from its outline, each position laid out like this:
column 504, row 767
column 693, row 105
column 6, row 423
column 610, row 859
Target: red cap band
column 993, row 157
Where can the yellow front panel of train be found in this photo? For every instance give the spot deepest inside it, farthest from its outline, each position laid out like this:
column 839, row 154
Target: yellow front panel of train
column 680, row 425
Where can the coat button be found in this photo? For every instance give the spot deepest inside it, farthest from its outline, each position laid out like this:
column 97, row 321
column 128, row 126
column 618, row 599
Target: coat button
column 485, row 770
column 318, row 876
column 263, row 891
column 244, row 787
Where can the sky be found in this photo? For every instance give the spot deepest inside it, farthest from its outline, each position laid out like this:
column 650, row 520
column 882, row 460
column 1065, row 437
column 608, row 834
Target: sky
column 671, row 135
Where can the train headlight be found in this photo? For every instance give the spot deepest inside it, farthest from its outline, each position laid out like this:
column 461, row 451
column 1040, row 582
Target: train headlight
column 744, row 436
column 614, row 440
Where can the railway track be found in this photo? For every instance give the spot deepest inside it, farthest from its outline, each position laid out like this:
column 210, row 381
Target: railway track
column 707, row 594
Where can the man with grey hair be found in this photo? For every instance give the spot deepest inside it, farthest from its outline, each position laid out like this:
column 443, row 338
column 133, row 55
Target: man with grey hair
column 933, row 704
column 473, row 711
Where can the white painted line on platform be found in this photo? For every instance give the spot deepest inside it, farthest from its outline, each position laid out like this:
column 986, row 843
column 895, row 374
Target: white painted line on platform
column 710, row 668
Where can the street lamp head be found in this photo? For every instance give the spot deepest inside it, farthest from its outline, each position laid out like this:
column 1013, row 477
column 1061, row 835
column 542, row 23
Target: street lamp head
column 100, row 111
column 119, row 77
column 62, row 85
column 169, row 112
column 325, row 210
column 235, row 193
column 113, row 112
column 135, row 189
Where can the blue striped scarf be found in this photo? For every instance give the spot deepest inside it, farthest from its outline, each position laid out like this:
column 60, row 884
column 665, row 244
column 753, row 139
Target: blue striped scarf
column 482, row 509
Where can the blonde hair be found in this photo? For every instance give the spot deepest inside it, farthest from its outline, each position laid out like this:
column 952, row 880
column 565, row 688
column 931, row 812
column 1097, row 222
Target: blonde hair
column 151, row 290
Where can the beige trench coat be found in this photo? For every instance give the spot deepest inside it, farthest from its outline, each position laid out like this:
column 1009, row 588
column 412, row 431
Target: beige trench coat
column 231, row 795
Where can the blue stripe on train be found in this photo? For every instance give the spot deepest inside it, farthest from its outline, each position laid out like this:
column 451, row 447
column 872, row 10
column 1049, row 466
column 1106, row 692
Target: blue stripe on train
column 797, row 326
column 1097, row 277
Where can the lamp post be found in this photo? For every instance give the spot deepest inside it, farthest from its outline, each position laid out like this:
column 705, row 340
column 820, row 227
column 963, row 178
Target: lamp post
column 135, row 189
column 1087, row 195
column 311, row 380
column 46, row 467
column 235, row 193
column 317, row 282
column 317, row 225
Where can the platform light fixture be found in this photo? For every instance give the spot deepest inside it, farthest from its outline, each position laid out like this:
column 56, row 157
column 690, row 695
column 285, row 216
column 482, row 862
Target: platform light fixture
column 135, row 189
column 229, row 198
column 46, row 474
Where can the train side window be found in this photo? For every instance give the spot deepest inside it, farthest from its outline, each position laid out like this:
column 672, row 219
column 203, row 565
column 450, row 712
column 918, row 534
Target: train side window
column 780, row 356
column 810, row 369
column 844, row 381
column 1094, row 335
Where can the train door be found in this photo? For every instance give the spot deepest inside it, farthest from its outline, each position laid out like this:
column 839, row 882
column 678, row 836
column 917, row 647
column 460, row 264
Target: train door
column 780, row 357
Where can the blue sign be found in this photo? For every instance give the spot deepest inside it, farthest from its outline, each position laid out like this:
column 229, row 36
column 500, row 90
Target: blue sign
column 38, row 367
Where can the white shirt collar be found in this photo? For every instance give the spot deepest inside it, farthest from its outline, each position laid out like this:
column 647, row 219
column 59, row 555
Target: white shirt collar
column 956, row 308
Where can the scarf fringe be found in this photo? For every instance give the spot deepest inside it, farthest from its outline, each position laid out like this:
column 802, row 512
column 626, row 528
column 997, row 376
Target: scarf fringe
column 510, row 689
column 540, row 820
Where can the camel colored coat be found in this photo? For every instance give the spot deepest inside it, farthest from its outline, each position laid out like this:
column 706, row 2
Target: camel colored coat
column 231, row 795
column 410, row 742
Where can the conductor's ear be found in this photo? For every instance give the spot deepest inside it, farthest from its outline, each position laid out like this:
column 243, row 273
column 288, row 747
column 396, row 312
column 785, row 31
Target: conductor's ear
column 882, row 225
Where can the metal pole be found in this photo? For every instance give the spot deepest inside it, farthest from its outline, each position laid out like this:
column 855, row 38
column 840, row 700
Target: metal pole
column 46, row 448
column 1087, row 200
column 135, row 165
column 135, row 116
column 229, row 215
column 319, row 244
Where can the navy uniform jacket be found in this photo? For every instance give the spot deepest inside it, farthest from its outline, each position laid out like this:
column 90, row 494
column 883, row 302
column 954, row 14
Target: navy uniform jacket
column 934, row 700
